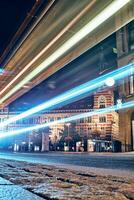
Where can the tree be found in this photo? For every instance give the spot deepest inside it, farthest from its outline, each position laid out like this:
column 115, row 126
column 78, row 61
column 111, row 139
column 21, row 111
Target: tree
column 69, row 136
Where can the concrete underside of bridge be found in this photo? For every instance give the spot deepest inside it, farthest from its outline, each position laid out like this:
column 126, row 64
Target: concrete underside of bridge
column 53, row 22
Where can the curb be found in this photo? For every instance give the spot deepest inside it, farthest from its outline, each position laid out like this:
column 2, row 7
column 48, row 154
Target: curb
column 9, row 191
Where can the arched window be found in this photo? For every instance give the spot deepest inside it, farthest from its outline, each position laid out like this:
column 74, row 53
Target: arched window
column 102, row 102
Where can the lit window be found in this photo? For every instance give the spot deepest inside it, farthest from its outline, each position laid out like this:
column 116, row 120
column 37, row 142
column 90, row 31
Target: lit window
column 131, row 84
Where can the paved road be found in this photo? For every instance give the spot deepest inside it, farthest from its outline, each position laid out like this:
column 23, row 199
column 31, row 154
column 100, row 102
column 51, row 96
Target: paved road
column 105, row 161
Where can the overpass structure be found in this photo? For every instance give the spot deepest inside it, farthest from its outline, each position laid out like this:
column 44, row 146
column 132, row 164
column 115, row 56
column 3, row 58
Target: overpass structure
column 34, row 57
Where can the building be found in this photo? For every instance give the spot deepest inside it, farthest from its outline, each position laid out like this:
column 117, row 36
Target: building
column 125, row 53
column 112, row 126
column 104, row 127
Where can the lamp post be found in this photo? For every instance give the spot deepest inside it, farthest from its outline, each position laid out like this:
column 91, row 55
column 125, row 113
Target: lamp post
column 68, row 124
column 112, row 132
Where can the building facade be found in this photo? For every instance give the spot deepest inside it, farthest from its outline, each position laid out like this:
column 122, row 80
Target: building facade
column 104, row 127
column 125, row 53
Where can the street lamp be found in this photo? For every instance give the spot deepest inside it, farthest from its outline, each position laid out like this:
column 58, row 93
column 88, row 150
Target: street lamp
column 112, row 132
column 110, row 82
column 68, row 124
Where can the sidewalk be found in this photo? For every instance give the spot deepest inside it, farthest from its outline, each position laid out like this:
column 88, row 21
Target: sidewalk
column 9, row 191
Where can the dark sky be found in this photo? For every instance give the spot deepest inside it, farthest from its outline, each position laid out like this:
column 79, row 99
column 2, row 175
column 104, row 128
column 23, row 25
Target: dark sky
column 82, row 69
column 12, row 14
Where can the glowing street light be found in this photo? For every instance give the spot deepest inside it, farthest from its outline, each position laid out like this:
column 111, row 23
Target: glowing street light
column 110, row 82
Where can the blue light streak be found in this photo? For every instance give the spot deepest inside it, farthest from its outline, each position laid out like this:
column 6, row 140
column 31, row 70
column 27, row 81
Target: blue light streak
column 68, row 119
column 1, row 71
column 76, row 92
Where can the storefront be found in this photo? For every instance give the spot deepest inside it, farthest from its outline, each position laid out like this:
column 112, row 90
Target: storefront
column 99, row 146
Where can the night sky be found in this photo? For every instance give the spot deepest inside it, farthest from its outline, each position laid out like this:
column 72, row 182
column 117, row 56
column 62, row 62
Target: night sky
column 12, row 14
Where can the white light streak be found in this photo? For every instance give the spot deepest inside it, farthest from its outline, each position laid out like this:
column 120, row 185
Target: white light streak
column 69, row 119
column 75, row 92
column 110, row 10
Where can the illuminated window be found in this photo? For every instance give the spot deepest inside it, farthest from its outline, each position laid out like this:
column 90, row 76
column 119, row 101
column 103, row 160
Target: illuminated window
column 131, row 84
column 102, row 119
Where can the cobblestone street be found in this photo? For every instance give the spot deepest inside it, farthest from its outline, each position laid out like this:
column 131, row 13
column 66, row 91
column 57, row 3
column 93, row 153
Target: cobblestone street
column 53, row 183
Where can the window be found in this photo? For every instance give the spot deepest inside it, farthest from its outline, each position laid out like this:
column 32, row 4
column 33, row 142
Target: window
column 122, row 32
column 102, row 102
column 89, row 120
column 51, row 119
column 81, row 120
column 31, row 121
column 131, row 35
column 24, row 121
column 102, row 119
column 131, row 84
column 5, row 110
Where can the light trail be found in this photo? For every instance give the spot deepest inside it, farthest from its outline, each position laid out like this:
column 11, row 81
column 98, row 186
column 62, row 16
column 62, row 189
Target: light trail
column 78, row 91
column 69, row 119
column 66, row 28
column 110, row 10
